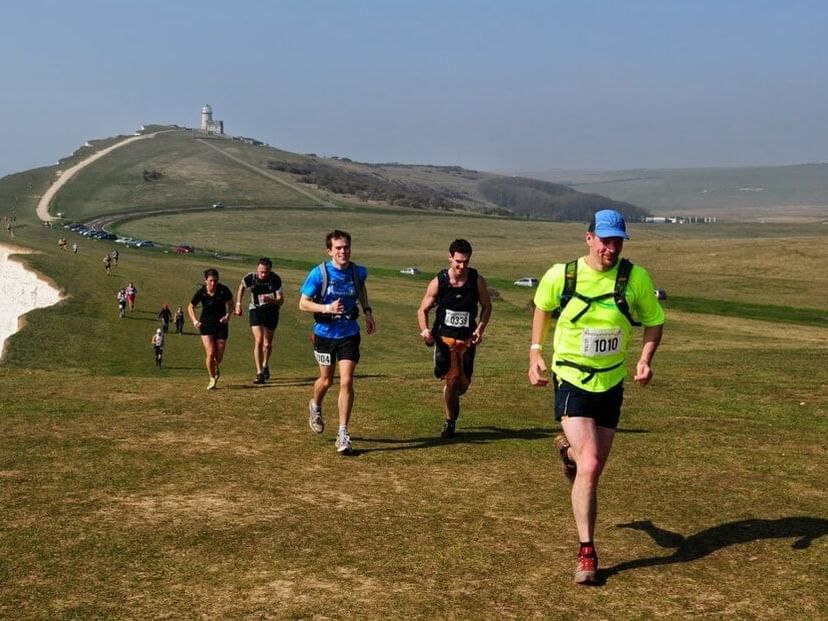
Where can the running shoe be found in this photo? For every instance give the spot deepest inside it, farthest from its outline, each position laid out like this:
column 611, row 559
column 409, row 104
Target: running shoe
column 343, row 443
column 587, row 571
column 448, row 429
column 260, row 378
column 315, row 420
column 212, row 384
column 266, row 372
column 218, row 372
column 569, row 466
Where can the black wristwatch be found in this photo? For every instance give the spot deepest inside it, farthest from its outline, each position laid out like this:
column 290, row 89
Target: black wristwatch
column 366, row 309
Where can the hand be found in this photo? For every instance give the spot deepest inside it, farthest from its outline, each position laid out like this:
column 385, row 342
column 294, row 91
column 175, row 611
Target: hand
column 238, row 310
column 225, row 319
column 476, row 338
column 335, row 308
column 538, row 373
column 370, row 324
column 643, row 373
column 428, row 339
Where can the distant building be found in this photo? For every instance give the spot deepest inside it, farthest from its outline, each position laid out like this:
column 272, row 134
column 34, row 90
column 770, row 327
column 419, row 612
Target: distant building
column 208, row 124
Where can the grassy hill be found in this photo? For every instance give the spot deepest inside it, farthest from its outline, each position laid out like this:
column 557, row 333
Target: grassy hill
column 130, row 492
column 184, row 169
column 771, row 193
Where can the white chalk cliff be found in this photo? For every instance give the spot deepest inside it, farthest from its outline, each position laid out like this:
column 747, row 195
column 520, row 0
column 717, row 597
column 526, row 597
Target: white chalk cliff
column 20, row 292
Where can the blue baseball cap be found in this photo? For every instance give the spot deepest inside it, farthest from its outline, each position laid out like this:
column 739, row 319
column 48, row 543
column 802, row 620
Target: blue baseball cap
column 608, row 223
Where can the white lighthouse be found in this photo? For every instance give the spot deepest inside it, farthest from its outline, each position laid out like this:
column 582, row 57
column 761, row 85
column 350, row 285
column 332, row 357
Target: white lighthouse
column 208, row 124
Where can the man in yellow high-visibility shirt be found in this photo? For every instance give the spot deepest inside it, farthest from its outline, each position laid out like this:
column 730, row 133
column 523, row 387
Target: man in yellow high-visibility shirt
column 596, row 297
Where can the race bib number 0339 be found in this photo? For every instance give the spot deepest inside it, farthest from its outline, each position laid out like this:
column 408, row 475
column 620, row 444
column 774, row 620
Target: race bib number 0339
column 456, row 319
column 600, row 342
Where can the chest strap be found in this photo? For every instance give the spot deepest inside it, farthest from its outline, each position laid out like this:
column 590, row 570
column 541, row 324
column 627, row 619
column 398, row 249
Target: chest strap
column 590, row 371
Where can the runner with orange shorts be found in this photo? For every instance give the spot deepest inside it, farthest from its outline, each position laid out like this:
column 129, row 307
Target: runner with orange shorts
column 456, row 293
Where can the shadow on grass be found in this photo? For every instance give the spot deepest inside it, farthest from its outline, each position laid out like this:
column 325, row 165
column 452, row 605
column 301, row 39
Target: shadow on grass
column 468, row 435
column 703, row 543
column 275, row 382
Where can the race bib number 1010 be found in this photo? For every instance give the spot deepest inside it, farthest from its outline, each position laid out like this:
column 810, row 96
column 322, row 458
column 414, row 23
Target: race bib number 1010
column 600, row 342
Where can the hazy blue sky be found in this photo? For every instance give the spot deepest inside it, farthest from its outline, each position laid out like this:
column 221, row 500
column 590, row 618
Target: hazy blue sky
column 505, row 86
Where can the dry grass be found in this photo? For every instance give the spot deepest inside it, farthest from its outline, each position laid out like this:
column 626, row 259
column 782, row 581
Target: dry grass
column 130, row 493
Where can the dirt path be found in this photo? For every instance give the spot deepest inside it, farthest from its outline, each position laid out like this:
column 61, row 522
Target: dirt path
column 264, row 173
column 43, row 205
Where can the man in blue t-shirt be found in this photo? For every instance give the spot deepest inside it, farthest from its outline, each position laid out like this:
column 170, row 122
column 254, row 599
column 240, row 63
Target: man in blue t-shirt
column 331, row 292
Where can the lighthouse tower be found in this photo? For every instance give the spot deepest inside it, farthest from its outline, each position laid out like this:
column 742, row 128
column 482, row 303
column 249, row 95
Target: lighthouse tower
column 208, row 125
column 206, row 118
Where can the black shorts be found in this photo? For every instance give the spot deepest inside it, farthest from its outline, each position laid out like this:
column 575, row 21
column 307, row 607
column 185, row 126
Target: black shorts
column 329, row 351
column 216, row 329
column 266, row 316
column 443, row 367
column 604, row 407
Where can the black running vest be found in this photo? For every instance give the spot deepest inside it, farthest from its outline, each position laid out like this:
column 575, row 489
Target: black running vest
column 457, row 301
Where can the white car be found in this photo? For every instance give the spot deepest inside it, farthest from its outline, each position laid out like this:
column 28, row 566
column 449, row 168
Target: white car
column 411, row 271
column 526, row 281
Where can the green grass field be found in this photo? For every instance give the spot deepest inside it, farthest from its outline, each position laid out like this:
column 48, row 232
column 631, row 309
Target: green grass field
column 130, row 492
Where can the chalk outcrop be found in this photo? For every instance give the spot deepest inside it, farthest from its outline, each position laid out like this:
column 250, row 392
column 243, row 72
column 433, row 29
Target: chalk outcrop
column 21, row 291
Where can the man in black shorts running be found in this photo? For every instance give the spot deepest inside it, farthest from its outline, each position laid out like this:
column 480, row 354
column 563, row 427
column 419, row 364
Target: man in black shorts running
column 456, row 292
column 216, row 302
column 265, row 299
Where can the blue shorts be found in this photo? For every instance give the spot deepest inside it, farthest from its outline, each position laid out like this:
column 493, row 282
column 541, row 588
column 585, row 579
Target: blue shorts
column 604, row 407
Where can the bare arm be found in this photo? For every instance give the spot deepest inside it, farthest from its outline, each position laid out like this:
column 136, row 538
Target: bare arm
column 307, row 305
column 485, row 309
column 240, row 297
column 191, row 312
column 643, row 370
column 541, row 322
column 427, row 303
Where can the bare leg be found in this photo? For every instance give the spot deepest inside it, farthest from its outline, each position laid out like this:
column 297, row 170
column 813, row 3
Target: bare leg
column 346, row 390
column 589, row 447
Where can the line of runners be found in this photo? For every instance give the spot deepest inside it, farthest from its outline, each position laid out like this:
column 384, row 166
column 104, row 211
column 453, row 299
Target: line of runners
column 593, row 304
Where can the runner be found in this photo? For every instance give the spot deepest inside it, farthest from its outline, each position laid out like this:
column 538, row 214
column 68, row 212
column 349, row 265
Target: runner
column 158, row 345
column 179, row 320
column 131, row 291
column 456, row 293
column 122, row 302
column 331, row 292
column 596, row 298
column 265, row 299
column 165, row 315
column 107, row 261
column 216, row 302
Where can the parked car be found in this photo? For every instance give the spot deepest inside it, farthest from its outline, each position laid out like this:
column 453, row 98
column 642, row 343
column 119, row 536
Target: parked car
column 526, row 281
column 218, row 205
column 184, row 249
column 144, row 243
column 411, row 271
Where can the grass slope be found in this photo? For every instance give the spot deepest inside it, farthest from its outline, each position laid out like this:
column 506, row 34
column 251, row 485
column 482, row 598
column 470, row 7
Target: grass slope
column 133, row 492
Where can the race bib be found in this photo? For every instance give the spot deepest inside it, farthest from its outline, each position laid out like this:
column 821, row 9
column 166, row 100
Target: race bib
column 264, row 298
column 323, row 359
column 600, row 342
column 456, row 319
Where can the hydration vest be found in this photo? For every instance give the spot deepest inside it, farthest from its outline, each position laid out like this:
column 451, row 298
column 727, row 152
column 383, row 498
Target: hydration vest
column 464, row 299
column 351, row 314
column 622, row 278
